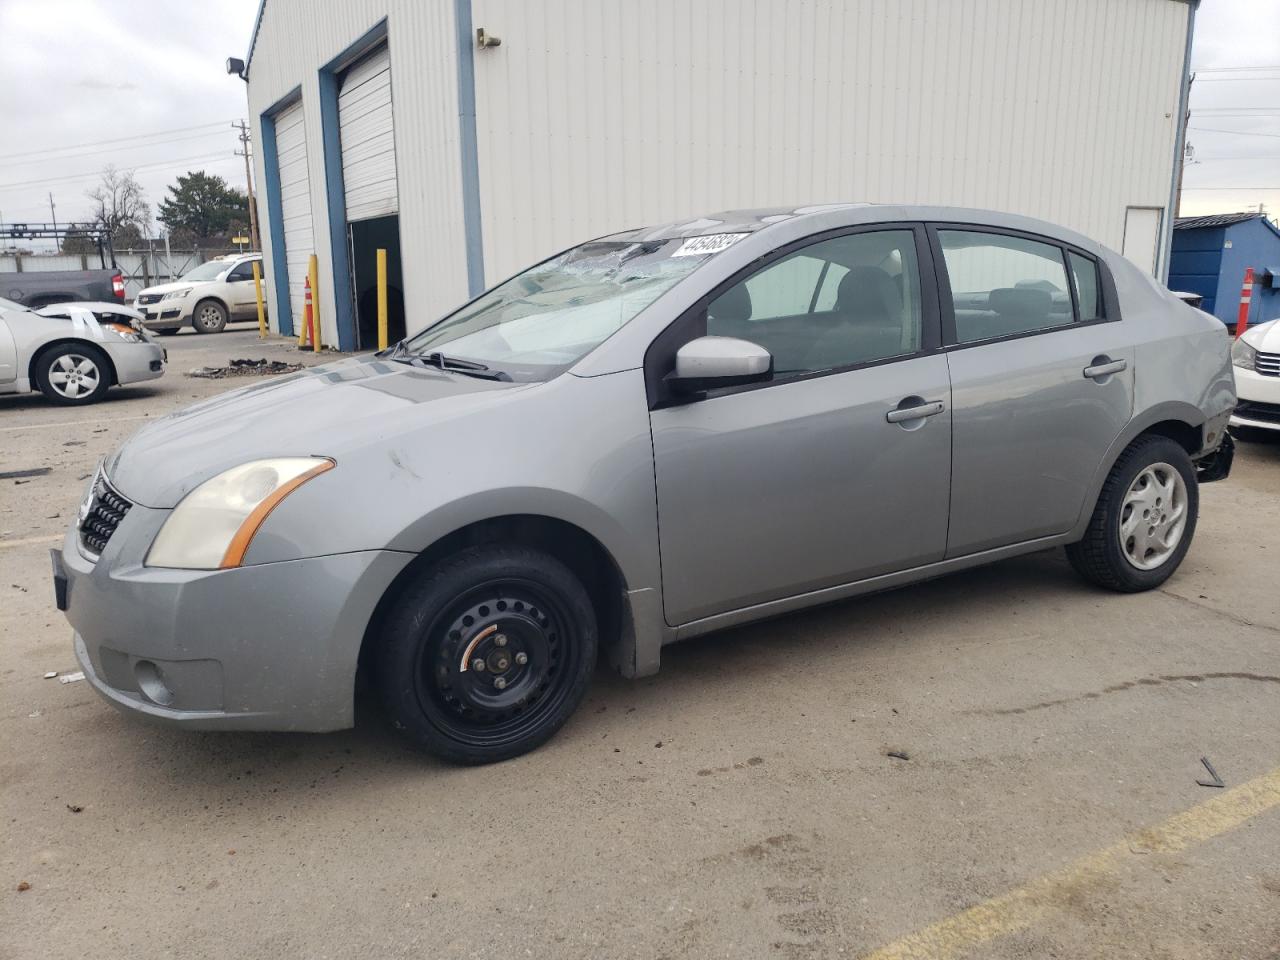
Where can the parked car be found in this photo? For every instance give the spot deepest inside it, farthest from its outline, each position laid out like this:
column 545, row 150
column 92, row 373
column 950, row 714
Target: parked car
column 1256, row 356
column 74, row 352
column 206, row 298
column 789, row 407
column 44, row 287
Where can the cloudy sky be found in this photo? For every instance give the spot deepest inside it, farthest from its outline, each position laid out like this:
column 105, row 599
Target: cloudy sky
column 141, row 84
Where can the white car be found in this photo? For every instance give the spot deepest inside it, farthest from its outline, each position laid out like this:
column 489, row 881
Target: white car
column 1256, row 357
column 206, row 298
column 74, row 352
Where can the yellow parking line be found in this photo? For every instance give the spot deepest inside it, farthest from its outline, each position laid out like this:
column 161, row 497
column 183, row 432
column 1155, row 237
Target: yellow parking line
column 1045, row 896
column 52, row 538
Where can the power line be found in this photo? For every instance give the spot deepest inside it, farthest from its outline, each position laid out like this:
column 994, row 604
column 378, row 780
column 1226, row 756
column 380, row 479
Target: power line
column 116, row 149
column 1238, row 133
column 1277, row 187
column 1273, row 66
column 177, row 161
column 101, row 143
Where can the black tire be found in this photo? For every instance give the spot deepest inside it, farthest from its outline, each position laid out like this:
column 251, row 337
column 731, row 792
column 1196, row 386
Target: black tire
column 169, row 331
column 489, row 603
column 1100, row 557
column 73, row 374
column 209, row 316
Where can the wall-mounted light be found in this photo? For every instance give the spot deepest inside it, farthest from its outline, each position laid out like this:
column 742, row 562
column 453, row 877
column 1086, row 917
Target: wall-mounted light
column 235, row 67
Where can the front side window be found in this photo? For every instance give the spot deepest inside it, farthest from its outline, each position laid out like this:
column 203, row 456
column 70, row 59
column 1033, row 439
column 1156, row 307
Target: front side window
column 1003, row 285
column 543, row 320
column 839, row 302
column 243, row 272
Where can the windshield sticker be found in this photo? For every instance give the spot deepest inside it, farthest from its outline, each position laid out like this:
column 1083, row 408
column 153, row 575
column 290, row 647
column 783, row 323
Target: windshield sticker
column 712, row 243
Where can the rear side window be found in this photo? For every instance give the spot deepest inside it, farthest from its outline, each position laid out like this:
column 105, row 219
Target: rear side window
column 1084, row 274
column 1002, row 285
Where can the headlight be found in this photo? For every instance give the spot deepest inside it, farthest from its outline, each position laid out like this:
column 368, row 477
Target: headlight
column 123, row 331
column 176, row 294
column 1244, row 356
column 214, row 524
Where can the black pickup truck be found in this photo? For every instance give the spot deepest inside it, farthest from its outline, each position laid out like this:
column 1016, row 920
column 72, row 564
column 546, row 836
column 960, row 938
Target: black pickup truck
column 36, row 289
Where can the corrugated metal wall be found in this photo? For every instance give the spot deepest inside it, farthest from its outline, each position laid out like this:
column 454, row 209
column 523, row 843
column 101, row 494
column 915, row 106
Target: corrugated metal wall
column 294, row 40
column 595, row 115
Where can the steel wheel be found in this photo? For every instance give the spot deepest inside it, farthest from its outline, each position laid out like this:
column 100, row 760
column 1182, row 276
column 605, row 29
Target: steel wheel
column 1153, row 516
column 497, row 661
column 73, row 375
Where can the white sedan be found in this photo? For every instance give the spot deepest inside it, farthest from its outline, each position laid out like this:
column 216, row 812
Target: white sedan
column 74, row 352
column 1256, row 357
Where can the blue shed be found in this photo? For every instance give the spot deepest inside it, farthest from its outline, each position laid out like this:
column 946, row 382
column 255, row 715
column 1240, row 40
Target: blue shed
column 1210, row 255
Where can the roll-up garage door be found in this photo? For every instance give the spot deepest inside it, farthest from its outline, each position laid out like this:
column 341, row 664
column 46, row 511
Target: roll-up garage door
column 295, row 202
column 368, row 138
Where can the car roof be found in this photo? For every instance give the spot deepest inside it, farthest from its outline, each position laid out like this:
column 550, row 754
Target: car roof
column 763, row 218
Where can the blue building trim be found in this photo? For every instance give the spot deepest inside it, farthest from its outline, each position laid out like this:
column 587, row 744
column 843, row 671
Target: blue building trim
column 471, row 223
column 335, row 189
column 275, row 212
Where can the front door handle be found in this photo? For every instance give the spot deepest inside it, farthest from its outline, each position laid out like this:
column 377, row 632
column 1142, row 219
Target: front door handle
column 1102, row 367
column 918, row 412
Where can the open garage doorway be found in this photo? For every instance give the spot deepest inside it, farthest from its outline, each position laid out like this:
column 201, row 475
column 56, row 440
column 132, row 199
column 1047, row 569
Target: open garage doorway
column 366, row 237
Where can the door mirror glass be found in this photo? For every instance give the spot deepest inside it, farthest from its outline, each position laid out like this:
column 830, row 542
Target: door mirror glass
column 708, row 363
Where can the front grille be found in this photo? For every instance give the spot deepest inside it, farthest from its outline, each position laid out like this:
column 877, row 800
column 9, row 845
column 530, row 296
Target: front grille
column 106, row 509
column 150, row 297
column 1253, row 410
column 1268, row 364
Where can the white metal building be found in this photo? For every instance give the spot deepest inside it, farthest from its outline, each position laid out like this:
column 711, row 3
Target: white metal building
column 389, row 123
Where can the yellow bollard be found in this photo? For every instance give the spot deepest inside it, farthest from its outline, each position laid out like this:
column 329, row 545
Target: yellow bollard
column 257, row 292
column 312, row 269
column 382, row 299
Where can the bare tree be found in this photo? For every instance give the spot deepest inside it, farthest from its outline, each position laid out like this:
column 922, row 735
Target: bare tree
column 119, row 202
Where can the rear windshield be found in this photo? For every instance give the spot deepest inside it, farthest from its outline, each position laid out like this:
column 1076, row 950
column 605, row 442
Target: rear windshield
column 543, row 320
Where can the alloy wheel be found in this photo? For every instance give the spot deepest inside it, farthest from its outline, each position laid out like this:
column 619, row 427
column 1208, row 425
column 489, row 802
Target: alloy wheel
column 74, row 375
column 1153, row 516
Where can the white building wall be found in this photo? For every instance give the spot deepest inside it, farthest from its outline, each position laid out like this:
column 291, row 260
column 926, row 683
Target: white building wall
column 294, row 41
column 597, row 115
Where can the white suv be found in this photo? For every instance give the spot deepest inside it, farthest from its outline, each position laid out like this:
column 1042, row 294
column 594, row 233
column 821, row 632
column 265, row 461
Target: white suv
column 207, row 297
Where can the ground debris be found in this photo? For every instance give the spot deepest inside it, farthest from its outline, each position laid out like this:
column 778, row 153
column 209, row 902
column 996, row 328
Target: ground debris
column 246, row 368
column 71, row 677
column 75, row 808
column 898, row 754
column 20, row 474
column 23, row 887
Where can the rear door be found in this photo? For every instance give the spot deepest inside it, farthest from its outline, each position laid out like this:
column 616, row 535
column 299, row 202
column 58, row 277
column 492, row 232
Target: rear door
column 1041, row 378
column 835, row 471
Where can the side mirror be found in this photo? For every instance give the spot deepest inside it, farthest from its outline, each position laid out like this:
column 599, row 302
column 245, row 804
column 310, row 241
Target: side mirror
column 710, row 362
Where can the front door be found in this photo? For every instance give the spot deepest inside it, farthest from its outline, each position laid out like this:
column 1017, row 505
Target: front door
column 1042, row 383
column 836, row 470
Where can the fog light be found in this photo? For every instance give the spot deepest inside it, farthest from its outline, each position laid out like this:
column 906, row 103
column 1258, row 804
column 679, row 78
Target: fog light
column 151, row 683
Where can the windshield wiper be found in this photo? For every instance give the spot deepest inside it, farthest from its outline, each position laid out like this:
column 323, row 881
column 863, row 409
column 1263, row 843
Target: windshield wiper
column 450, row 363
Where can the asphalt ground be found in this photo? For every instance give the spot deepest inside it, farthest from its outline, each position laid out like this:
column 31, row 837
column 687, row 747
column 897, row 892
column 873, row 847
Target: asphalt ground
column 742, row 803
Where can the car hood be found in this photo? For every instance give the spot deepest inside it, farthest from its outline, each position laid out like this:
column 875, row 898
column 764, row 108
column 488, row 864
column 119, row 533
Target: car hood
column 334, row 410
column 93, row 306
column 175, row 285
column 1264, row 337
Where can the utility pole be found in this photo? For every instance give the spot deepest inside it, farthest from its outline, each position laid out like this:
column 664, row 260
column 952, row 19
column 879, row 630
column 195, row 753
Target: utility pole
column 248, row 179
column 1182, row 160
column 52, row 216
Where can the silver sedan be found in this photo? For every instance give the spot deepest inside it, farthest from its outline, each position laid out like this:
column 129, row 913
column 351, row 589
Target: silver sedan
column 647, row 437
column 74, row 352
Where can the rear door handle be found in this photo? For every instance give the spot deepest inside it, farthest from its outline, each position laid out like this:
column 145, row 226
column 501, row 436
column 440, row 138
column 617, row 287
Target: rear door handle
column 1104, row 369
column 919, row 412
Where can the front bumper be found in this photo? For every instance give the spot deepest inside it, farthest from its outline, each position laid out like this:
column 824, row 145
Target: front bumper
column 165, row 315
column 135, row 362
column 1259, row 401
column 266, row 647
